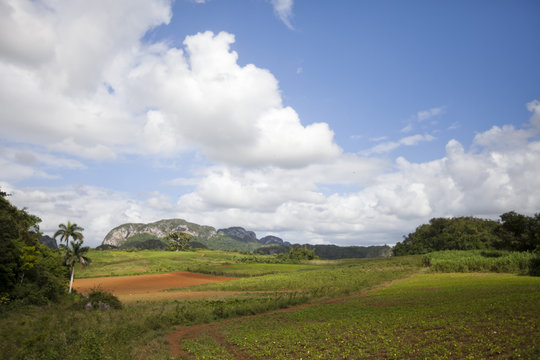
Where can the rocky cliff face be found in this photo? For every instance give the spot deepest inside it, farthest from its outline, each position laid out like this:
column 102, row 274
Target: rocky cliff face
column 238, row 233
column 48, row 241
column 120, row 234
column 270, row 239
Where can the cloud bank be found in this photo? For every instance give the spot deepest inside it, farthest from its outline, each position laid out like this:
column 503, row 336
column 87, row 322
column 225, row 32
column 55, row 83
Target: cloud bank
column 93, row 91
column 85, row 91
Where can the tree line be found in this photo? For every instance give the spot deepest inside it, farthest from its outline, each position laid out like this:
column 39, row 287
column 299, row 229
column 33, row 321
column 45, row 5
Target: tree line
column 31, row 272
column 514, row 232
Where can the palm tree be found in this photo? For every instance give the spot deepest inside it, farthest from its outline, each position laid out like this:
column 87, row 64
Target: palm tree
column 69, row 230
column 73, row 255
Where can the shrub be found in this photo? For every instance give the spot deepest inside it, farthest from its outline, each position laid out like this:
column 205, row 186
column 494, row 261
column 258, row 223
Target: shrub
column 99, row 299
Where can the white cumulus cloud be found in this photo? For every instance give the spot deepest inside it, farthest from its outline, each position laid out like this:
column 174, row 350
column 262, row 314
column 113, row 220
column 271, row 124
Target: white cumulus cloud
column 95, row 90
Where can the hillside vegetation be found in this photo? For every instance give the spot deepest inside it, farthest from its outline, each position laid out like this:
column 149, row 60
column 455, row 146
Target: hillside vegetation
column 515, row 232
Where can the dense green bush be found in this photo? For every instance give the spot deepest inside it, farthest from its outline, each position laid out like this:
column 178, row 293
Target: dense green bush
column 515, row 232
column 99, row 299
column 29, row 271
column 299, row 253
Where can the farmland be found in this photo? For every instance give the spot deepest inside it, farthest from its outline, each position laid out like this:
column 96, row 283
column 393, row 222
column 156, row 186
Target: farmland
column 358, row 308
column 425, row 316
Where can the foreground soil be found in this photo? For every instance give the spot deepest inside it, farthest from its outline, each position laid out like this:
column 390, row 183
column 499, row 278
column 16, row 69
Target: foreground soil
column 151, row 287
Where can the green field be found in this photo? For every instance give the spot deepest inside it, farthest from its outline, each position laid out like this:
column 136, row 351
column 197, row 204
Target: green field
column 124, row 262
column 423, row 313
column 427, row 316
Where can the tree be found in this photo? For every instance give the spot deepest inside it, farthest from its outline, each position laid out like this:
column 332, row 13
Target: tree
column 69, row 231
column 29, row 271
column 75, row 255
column 302, row 253
column 519, row 232
column 178, row 241
column 461, row 233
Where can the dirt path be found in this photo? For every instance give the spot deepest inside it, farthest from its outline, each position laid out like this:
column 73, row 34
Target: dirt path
column 213, row 329
column 151, row 287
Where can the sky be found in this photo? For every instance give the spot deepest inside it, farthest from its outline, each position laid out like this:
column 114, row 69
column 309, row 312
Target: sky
column 324, row 122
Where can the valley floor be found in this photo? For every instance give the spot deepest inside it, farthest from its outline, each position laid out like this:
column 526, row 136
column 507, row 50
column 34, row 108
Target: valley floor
column 434, row 316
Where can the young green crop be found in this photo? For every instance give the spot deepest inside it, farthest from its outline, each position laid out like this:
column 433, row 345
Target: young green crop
column 427, row 316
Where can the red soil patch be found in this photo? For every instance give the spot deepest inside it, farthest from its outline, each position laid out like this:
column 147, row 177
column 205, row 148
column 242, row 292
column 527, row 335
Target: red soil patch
column 150, row 287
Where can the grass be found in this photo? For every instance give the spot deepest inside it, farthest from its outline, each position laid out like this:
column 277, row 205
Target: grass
column 64, row 331
column 123, row 262
column 434, row 316
column 331, row 279
column 137, row 331
column 248, row 270
column 482, row 261
column 431, row 315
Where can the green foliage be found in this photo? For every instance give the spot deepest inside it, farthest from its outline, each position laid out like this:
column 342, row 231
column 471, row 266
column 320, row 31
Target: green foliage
column 151, row 244
column 500, row 261
column 29, row 271
column 519, row 232
column 222, row 242
column 178, row 241
column 349, row 252
column 106, row 247
column 75, row 253
column 331, row 252
column 301, row 253
column 67, row 231
column 197, row 245
column 99, row 297
column 250, row 268
column 273, row 249
column 140, row 241
column 461, row 233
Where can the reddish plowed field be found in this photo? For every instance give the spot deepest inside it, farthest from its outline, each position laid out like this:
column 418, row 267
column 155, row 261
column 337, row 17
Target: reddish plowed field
column 150, row 287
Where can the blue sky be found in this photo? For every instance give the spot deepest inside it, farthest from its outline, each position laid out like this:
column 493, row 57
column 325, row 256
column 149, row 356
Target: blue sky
column 348, row 122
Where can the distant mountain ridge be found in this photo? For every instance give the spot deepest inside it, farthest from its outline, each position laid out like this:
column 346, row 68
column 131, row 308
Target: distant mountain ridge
column 120, row 234
column 233, row 238
column 48, row 241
